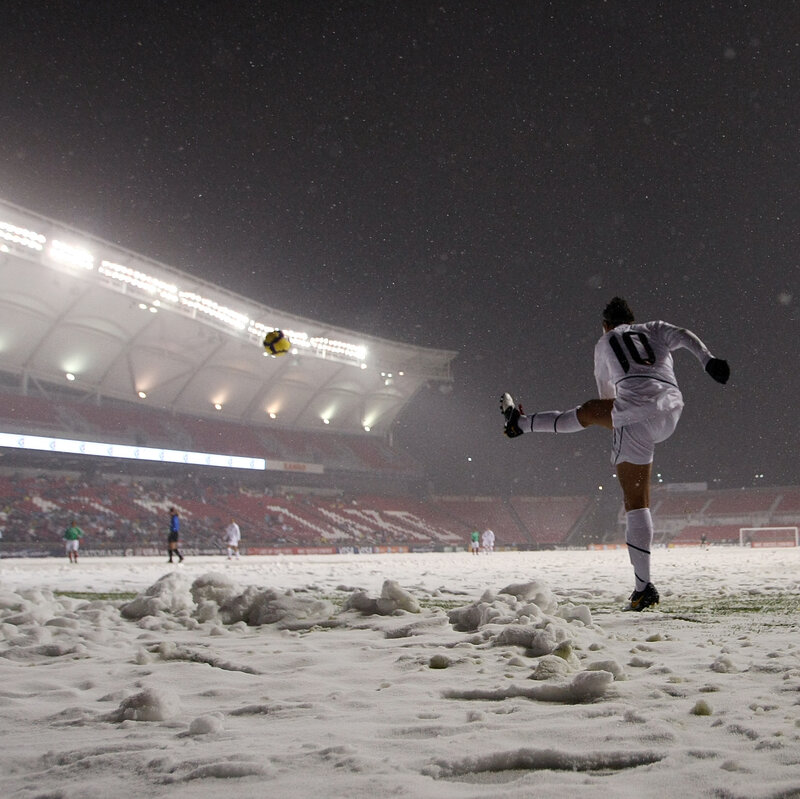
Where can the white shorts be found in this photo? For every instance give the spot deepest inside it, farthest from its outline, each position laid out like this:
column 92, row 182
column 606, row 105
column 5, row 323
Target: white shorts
column 72, row 546
column 636, row 442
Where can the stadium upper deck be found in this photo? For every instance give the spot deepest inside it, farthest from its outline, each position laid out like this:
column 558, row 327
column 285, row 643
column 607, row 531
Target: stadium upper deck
column 117, row 324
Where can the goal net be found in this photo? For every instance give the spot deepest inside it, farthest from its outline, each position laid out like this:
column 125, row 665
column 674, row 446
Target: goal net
column 768, row 537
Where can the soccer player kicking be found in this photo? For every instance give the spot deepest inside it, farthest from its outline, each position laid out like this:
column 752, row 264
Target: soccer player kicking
column 641, row 403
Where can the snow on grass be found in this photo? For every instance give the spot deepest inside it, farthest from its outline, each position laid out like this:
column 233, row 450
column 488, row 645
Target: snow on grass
column 509, row 675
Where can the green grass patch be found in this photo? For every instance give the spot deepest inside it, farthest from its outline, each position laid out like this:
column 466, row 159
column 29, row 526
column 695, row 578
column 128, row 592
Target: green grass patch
column 89, row 596
column 444, row 604
column 764, row 610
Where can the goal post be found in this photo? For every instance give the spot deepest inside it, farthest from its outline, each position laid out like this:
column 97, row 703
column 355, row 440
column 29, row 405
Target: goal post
column 768, row 537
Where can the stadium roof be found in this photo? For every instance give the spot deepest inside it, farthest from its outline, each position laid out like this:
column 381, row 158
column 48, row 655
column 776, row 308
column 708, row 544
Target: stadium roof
column 108, row 322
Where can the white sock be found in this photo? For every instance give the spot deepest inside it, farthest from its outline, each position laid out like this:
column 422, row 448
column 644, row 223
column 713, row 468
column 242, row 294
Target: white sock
column 551, row 422
column 230, row 552
column 639, row 537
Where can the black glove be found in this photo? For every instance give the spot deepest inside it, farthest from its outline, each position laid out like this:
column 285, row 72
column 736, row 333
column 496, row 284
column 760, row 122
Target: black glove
column 719, row 370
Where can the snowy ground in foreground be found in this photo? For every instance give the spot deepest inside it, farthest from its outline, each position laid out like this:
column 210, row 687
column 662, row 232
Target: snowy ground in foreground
column 277, row 677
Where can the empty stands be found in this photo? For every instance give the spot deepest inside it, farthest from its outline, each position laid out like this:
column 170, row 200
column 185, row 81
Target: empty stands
column 549, row 520
column 291, row 508
column 129, row 423
column 685, row 517
column 709, row 534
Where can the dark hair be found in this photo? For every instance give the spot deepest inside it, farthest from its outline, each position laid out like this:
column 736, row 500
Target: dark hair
column 617, row 312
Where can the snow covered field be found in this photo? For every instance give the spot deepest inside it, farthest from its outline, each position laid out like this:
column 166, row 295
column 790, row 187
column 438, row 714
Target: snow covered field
column 401, row 676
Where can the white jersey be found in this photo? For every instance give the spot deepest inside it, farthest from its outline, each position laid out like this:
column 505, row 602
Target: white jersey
column 633, row 365
column 488, row 538
column 232, row 534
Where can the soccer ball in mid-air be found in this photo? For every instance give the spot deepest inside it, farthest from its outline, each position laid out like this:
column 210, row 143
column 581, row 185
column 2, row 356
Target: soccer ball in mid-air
column 277, row 343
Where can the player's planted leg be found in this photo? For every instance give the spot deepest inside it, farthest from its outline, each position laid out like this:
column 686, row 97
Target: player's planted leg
column 639, row 538
column 634, row 479
column 639, row 600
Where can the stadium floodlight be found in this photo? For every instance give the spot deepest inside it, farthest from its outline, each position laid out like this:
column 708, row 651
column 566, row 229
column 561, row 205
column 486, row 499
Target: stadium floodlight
column 22, row 236
column 71, row 255
column 324, row 346
column 213, row 309
column 140, row 280
column 319, row 345
column 128, row 452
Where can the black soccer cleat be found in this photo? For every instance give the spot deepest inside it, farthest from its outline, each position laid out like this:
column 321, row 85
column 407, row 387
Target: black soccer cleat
column 512, row 413
column 644, row 599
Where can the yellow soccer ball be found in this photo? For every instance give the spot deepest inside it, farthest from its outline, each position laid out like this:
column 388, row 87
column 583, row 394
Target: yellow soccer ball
column 277, row 343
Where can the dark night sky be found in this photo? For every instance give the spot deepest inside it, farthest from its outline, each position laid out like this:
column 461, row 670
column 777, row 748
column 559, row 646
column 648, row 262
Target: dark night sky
column 478, row 177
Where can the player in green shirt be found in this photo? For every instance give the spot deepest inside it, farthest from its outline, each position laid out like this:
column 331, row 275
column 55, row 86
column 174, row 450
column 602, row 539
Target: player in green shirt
column 475, row 542
column 72, row 537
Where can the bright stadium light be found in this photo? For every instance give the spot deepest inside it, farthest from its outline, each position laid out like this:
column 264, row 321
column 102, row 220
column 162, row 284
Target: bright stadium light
column 199, row 304
column 213, row 309
column 22, row 236
column 133, row 277
column 127, row 277
column 71, row 255
column 125, row 451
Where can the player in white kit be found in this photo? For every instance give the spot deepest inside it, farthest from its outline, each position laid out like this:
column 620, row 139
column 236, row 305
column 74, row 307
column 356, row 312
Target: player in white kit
column 233, row 536
column 487, row 541
column 641, row 403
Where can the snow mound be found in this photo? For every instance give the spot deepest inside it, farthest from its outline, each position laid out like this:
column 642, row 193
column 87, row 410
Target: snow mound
column 543, row 760
column 148, row 705
column 586, row 686
column 393, row 598
column 534, row 591
column 215, row 597
column 169, row 594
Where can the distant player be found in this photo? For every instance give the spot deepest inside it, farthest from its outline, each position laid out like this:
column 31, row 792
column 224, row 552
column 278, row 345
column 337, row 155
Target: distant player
column 72, row 539
column 487, row 541
column 233, row 536
column 174, row 535
column 641, row 403
column 475, row 542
